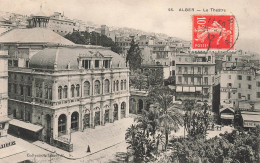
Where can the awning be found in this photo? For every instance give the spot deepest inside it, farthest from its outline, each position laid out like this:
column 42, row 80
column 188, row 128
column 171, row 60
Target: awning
column 11, row 153
column 221, row 110
column 192, row 89
column 178, row 89
column 251, row 120
column 198, row 88
column 186, row 89
column 25, row 125
column 4, row 119
column 227, row 116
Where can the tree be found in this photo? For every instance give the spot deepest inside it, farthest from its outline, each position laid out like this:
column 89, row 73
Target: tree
column 196, row 119
column 93, row 38
column 133, row 56
column 169, row 116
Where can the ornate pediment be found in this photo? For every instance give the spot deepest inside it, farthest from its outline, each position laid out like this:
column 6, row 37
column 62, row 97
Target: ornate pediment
column 98, row 55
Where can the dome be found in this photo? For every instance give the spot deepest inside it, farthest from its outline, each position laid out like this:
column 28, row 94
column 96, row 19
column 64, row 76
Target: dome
column 59, row 58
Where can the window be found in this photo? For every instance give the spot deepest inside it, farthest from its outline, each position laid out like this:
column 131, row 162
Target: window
column 185, row 80
column 27, row 64
column 185, row 70
column 86, row 64
column 46, row 93
column 122, row 85
column 117, row 85
column 97, row 87
column 72, row 89
column 192, row 70
column 114, row 86
column 10, row 62
column 206, row 80
column 21, row 89
column 50, row 93
column 15, row 63
column 258, row 84
column 40, row 91
column 106, row 86
column 106, row 63
column 229, row 84
column 249, row 78
column 258, row 94
column 96, row 63
column 239, row 95
column 248, row 97
column 192, row 80
column 249, row 86
column 60, row 92
column 86, row 88
column 199, row 80
column 239, row 77
column 125, row 84
column 77, row 90
column 206, row 70
column 239, row 85
column 179, row 79
column 65, row 91
column 199, row 69
column 180, row 70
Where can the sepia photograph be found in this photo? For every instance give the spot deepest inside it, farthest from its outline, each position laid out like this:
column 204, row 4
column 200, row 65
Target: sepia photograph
column 129, row 81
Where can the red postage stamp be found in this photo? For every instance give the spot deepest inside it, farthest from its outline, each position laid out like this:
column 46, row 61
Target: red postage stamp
column 213, row 32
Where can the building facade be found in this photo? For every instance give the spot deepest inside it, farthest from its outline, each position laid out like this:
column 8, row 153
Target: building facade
column 69, row 89
column 195, row 76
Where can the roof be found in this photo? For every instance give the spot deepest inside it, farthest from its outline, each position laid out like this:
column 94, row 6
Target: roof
column 34, row 35
column 251, row 117
column 61, row 57
column 40, row 14
column 25, row 125
column 221, row 110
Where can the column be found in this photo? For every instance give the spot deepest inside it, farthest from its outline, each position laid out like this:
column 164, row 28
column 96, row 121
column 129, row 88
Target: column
column 102, row 119
column 55, row 125
column 81, row 113
column 54, row 91
column 111, row 111
column 68, row 125
column 127, row 107
column 33, row 90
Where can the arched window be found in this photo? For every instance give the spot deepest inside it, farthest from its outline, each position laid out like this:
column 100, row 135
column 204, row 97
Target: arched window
column 62, row 124
column 117, row 85
column 65, row 91
column 72, row 90
column 60, row 92
column 77, row 90
column 122, row 85
column 50, row 93
column 40, row 91
column 106, row 86
column 86, row 88
column 97, row 87
column 46, row 92
column 114, row 86
column 75, row 121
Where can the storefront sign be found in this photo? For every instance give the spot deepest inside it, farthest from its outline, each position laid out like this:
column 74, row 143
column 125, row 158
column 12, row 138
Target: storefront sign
column 251, row 124
column 4, row 145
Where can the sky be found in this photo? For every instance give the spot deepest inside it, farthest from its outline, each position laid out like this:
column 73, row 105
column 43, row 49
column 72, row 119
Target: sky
column 151, row 15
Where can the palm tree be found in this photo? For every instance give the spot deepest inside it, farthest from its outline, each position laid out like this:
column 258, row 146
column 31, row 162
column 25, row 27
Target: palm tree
column 169, row 116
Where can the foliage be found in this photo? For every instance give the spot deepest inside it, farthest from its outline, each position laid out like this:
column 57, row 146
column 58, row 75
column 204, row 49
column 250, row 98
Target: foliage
column 93, row 38
column 197, row 118
column 237, row 147
column 138, row 80
column 170, row 81
column 134, row 57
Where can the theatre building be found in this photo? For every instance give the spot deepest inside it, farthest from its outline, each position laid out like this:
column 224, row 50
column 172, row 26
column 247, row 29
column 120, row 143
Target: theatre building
column 67, row 89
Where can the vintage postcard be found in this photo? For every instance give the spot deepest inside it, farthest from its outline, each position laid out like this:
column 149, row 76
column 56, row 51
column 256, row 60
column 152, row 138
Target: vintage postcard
column 101, row 81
